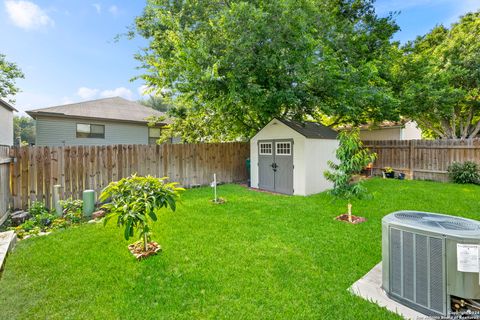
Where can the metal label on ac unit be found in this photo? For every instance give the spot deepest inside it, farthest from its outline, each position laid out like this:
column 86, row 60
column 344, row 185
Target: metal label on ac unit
column 467, row 257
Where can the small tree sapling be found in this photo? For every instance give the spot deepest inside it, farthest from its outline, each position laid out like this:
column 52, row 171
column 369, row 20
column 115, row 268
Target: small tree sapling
column 353, row 158
column 136, row 202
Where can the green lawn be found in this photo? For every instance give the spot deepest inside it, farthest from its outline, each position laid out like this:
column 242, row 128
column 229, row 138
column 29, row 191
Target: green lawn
column 257, row 256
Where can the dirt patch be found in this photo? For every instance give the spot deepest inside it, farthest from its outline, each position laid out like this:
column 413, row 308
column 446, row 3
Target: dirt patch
column 355, row 219
column 137, row 249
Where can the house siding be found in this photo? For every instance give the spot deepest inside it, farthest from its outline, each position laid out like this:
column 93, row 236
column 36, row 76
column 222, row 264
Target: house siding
column 6, row 126
column 381, row 134
column 59, row 132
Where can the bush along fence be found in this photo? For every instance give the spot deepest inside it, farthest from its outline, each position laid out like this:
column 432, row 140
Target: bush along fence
column 36, row 170
column 423, row 159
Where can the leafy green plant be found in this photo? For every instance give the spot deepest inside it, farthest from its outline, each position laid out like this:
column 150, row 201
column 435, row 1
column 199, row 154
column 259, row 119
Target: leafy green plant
column 27, row 225
column 353, row 158
column 136, row 202
column 37, row 208
column 44, row 220
column 41, row 216
column 72, row 210
column 467, row 172
column 388, row 169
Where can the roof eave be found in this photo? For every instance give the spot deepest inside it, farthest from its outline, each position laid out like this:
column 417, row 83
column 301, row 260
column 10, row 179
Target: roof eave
column 7, row 105
column 34, row 115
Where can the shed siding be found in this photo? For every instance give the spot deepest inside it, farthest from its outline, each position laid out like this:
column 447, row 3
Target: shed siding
column 276, row 130
column 317, row 154
column 6, row 126
column 58, row 132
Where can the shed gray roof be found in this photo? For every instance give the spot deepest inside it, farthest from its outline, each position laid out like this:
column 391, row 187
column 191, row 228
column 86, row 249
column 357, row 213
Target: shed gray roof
column 113, row 109
column 311, row 130
column 7, row 105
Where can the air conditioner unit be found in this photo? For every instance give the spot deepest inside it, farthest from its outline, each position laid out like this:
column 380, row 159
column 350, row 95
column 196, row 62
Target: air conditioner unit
column 430, row 262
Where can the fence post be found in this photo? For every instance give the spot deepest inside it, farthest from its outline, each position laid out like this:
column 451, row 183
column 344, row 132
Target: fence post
column 411, row 154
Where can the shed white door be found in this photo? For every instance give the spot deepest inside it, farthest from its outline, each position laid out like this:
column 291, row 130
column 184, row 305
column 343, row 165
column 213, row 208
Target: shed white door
column 275, row 165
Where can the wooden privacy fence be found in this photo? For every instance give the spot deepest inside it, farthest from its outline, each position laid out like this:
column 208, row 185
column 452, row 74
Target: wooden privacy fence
column 423, row 159
column 76, row 168
column 4, row 181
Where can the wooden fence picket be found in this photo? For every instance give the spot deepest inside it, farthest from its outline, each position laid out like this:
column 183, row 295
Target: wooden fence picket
column 76, row 168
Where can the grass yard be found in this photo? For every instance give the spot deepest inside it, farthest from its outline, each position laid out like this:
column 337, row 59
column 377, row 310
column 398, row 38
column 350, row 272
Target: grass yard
column 257, row 256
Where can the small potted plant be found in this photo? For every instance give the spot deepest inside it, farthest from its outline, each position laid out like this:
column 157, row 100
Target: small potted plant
column 136, row 202
column 388, row 172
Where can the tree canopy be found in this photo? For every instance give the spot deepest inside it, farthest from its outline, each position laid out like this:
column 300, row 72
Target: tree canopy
column 439, row 79
column 231, row 66
column 9, row 73
column 24, row 130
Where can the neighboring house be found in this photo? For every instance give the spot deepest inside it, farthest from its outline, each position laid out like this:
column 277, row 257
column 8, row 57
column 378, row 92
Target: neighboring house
column 6, row 123
column 97, row 122
column 388, row 130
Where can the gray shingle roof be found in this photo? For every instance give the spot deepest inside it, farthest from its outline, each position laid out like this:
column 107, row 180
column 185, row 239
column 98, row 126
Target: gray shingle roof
column 114, row 109
column 7, row 105
column 311, row 130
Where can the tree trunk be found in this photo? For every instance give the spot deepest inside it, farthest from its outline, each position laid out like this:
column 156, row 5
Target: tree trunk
column 349, row 208
column 145, row 240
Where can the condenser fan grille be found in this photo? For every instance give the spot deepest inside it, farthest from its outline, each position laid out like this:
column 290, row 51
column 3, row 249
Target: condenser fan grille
column 412, row 216
column 437, row 221
column 458, row 225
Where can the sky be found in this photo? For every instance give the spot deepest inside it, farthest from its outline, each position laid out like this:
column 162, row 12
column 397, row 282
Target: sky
column 68, row 53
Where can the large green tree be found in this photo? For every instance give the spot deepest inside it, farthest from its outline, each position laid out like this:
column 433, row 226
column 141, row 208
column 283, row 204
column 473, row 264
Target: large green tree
column 24, row 130
column 233, row 65
column 9, row 73
column 156, row 102
column 439, row 79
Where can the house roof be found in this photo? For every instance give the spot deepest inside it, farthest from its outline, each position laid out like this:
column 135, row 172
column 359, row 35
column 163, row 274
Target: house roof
column 311, row 130
column 7, row 105
column 113, row 109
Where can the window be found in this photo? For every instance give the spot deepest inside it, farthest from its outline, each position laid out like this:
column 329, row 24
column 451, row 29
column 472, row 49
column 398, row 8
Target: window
column 283, row 148
column 90, row 131
column 266, row 148
column 153, row 135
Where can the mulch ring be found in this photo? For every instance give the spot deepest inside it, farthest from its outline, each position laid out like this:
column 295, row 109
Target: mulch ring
column 137, row 249
column 219, row 201
column 355, row 219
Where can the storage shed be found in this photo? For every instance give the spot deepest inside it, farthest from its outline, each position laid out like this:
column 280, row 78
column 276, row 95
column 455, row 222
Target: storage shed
column 290, row 157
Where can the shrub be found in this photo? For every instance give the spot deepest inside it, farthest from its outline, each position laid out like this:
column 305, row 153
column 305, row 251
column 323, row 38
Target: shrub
column 467, row 172
column 136, row 201
column 72, row 210
column 353, row 158
column 44, row 221
column 37, row 208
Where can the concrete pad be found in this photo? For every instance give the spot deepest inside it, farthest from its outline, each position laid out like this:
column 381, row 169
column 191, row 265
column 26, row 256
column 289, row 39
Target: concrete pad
column 369, row 287
column 7, row 242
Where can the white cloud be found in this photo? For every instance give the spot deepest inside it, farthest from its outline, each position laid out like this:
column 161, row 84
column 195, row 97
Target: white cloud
column 113, row 9
column 142, row 90
column 98, row 7
column 87, row 93
column 27, row 15
column 117, row 92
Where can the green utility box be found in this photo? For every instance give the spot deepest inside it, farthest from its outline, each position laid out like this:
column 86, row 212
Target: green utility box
column 88, row 202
